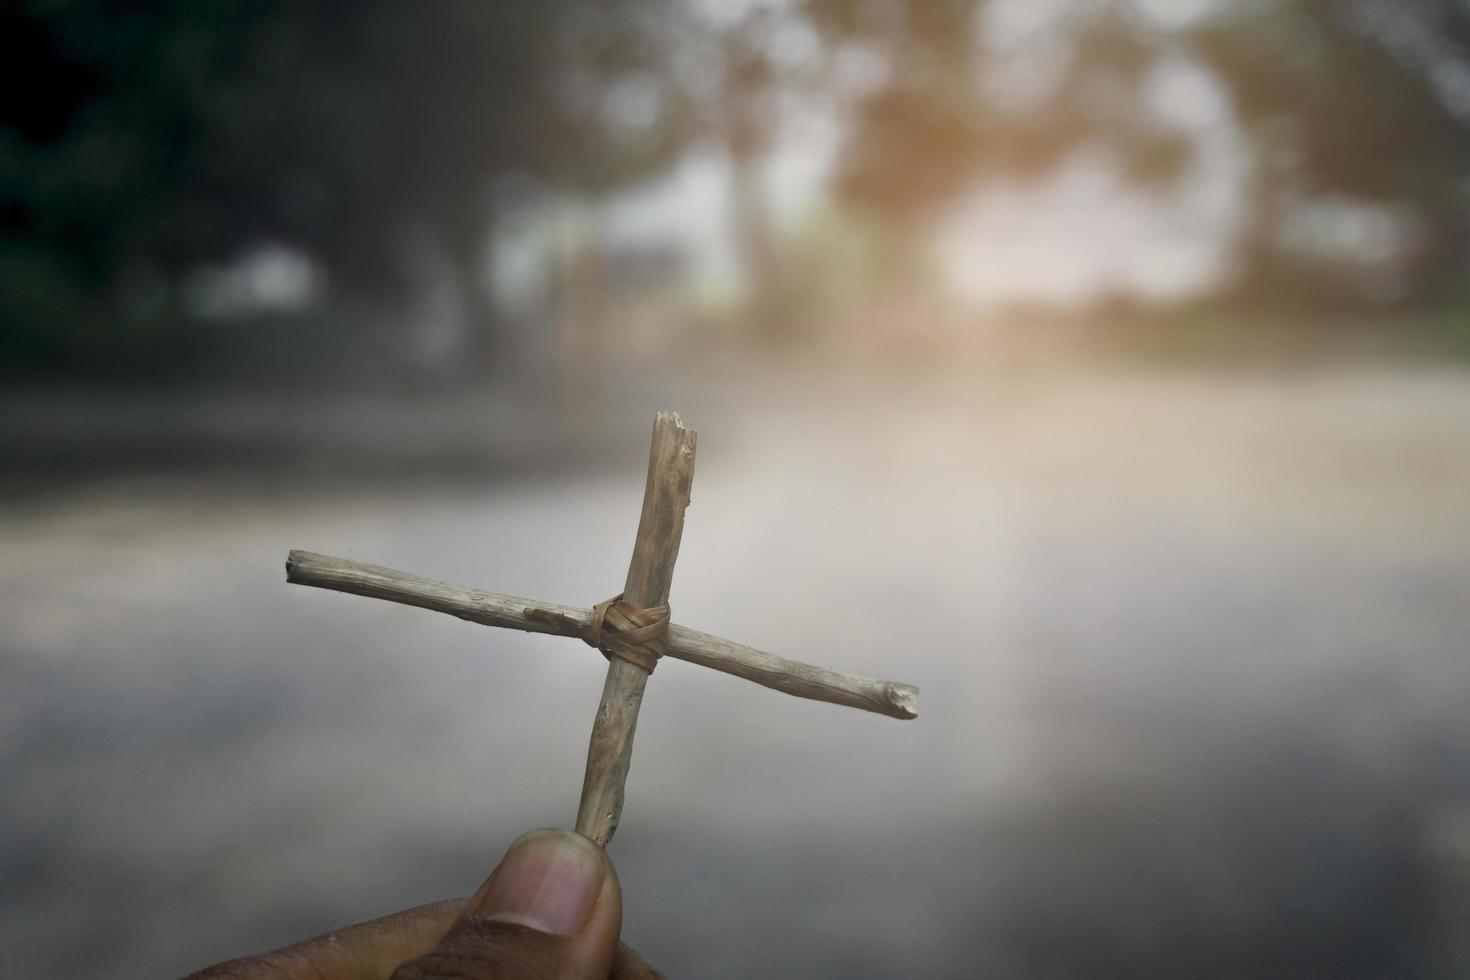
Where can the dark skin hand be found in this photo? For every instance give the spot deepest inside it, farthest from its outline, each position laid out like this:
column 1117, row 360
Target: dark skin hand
column 552, row 909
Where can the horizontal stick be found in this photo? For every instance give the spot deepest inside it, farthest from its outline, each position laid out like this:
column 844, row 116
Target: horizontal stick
column 802, row 680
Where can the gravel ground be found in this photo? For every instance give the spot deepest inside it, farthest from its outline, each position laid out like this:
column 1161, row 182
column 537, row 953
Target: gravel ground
column 1193, row 652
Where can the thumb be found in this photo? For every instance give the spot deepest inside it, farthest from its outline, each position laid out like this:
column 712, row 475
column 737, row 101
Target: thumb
column 552, row 908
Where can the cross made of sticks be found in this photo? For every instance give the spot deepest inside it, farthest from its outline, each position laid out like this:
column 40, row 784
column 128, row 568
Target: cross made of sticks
column 632, row 629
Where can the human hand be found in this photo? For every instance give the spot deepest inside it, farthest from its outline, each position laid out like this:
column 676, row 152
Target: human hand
column 552, row 909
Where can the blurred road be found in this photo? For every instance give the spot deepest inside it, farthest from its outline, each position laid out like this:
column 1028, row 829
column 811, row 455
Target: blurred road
column 1192, row 650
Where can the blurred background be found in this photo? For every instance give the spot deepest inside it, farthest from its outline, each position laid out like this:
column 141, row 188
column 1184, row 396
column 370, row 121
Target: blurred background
column 1099, row 366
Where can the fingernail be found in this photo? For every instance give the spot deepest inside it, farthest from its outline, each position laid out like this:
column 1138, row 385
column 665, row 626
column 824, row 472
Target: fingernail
column 548, row 881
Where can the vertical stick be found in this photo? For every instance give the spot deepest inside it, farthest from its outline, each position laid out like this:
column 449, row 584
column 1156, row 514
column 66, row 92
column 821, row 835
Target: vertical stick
column 650, row 573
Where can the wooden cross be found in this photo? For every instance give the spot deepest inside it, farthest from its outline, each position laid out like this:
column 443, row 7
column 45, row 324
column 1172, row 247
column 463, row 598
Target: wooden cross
column 632, row 629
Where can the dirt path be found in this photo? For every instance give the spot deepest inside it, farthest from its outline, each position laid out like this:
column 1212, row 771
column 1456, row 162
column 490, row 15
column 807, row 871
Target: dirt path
column 1192, row 651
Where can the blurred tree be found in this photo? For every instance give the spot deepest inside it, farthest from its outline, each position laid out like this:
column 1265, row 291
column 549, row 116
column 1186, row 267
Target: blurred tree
column 149, row 138
column 1343, row 102
column 738, row 72
column 1349, row 101
column 937, row 125
column 746, row 115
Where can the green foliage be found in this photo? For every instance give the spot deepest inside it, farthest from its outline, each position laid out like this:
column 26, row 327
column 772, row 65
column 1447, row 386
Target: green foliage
column 95, row 147
column 148, row 138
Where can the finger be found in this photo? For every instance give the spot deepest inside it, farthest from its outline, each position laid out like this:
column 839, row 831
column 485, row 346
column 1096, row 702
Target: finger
column 371, row 950
column 628, row 965
column 368, row 951
column 553, row 908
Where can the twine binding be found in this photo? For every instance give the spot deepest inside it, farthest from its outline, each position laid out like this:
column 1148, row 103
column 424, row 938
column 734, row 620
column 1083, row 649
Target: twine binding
column 628, row 632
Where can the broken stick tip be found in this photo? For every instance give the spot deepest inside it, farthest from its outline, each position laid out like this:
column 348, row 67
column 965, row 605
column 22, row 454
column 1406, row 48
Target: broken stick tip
column 905, row 700
column 299, row 563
